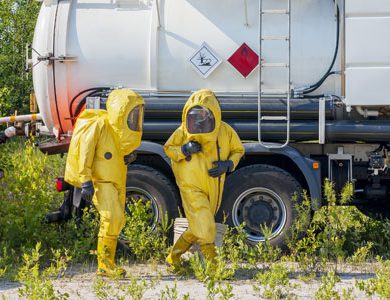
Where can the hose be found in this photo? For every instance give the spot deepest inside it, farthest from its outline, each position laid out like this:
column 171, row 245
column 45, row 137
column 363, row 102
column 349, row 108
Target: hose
column 83, row 100
column 95, row 89
column 329, row 72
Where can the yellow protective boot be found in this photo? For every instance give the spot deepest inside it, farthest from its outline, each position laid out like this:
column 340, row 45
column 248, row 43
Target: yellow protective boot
column 210, row 254
column 180, row 247
column 106, row 258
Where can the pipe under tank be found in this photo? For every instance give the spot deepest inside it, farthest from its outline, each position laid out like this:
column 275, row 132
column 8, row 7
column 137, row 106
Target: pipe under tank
column 375, row 131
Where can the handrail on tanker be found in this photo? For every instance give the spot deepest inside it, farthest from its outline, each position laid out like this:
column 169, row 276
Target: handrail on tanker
column 21, row 118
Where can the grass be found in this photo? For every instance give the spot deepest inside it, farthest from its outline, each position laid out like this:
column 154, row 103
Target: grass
column 35, row 253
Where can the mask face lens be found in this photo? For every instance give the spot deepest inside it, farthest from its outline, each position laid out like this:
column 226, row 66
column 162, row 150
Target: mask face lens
column 200, row 120
column 136, row 118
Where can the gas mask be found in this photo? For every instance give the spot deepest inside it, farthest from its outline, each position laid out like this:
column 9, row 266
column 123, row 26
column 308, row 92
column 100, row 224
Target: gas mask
column 200, row 120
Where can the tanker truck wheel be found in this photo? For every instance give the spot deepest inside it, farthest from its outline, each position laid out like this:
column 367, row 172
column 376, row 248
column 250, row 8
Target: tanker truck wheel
column 151, row 185
column 260, row 194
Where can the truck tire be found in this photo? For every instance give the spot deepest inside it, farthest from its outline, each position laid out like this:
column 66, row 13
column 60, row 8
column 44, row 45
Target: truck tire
column 260, row 194
column 149, row 184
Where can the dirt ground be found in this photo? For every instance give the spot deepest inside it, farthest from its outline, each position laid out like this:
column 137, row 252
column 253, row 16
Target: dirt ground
column 79, row 283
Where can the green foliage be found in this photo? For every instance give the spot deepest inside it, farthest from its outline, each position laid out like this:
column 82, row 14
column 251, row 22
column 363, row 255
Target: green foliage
column 332, row 223
column 336, row 233
column 170, row 293
column 144, row 242
column 17, row 22
column 135, row 288
column 327, row 289
column 274, row 281
column 303, row 243
column 225, row 291
column 265, row 251
column 379, row 285
column 81, row 240
column 234, row 247
column 362, row 254
column 37, row 284
column 102, row 289
column 27, row 194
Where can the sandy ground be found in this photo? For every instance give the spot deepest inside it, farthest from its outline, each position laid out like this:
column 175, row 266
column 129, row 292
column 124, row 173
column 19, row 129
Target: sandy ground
column 79, row 283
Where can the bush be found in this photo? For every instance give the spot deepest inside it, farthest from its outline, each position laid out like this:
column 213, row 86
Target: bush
column 27, row 194
column 36, row 283
column 144, row 242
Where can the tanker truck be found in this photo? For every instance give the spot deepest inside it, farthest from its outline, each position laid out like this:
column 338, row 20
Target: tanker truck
column 305, row 83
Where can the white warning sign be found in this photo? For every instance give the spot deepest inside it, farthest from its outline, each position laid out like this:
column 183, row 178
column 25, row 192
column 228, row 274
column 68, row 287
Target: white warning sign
column 204, row 60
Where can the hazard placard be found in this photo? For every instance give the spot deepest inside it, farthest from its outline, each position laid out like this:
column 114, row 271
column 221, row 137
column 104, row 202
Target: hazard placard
column 205, row 60
column 244, row 60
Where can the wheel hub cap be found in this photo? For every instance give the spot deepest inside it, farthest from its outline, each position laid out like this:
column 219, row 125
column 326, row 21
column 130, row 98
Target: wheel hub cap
column 257, row 207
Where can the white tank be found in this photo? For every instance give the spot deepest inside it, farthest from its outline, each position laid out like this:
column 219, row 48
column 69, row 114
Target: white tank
column 147, row 45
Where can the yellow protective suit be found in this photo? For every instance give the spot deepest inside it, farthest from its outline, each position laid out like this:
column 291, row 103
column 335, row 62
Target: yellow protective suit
column 201, row 194
column 99, row 143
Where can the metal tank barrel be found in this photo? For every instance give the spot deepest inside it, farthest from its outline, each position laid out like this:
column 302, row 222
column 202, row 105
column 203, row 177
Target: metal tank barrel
column 237, row 108
column 375, row 131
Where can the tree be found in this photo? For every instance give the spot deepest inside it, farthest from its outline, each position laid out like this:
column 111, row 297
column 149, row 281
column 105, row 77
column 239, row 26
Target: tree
column 17, row 22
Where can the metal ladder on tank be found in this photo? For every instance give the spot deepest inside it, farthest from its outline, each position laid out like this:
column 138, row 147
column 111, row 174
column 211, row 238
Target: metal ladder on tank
column 279, row 94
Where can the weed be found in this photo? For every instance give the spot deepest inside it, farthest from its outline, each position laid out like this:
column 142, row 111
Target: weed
column 144, row 242
column 333, row 223
column 265, row 251
column 169, row 293
column 81, row 238
column 37, row 284
column 346, row 294
column 225, row 291
column 327, row 289
column 335, row 232
column 379, row 285
column 27, row 193
column 272, row 280
column 302, row 240
column 362, row 253
column 5, row 260
column 234, row 247
column 102, row 289
column 136, row 288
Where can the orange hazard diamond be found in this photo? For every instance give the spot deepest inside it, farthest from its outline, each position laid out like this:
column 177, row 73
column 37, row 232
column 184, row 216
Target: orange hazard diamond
column 244, row 60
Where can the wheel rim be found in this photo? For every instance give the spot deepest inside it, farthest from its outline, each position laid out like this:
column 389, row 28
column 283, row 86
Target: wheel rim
column 258, row 206
column 138, row 193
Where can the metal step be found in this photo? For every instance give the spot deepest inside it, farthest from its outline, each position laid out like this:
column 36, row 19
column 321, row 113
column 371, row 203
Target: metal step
column 275, row 11
column 275, row 38
column 275, row 92
column 275, row 65
column 274, row 118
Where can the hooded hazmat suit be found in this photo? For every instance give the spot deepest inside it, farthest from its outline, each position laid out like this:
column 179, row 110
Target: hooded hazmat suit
column 99, row 143
column 201, row 194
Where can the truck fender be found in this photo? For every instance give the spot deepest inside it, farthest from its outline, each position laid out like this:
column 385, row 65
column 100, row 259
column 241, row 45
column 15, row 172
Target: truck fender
column 304, row 164
column 150, row 147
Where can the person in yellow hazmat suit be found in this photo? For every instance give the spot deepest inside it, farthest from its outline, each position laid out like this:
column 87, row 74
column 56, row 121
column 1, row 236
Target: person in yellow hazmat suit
column 96, row 163
column 202, row 150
